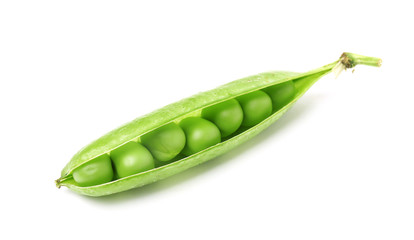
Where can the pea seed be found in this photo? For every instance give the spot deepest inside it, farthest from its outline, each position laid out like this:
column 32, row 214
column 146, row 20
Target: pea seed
column 200, row 134
column 256, row 107
column 131, row 158
column 227, row 115
column 281, row 94
column 165, row 142
column 95, row 172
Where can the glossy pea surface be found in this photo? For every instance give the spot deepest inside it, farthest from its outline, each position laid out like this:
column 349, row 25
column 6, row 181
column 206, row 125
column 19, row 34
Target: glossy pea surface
column 200, row 134
column 95, row 172
column 165, row 142
column 256, row 107
column 281, row 94
column 227, row 116
column 131, row 158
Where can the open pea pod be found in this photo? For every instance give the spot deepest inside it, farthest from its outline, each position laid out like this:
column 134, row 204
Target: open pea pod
column 95, row 161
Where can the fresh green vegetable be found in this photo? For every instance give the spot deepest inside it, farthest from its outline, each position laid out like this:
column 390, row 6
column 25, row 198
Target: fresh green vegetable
column 165, row 142
column 130, row 159
column 94, row 172
column 227, row 115
column 200, row 134
column 191, row 131
column 256, row 107
column 281, row 94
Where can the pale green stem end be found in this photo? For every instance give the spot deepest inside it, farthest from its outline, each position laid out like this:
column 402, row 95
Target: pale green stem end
column 350, row 60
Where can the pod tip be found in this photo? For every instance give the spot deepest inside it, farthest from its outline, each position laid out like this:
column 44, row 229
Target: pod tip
column 60, row 180
column 57, row 182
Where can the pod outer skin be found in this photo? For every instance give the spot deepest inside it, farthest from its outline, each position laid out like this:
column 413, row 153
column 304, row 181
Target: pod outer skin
column 162, row 116
column 179, row 110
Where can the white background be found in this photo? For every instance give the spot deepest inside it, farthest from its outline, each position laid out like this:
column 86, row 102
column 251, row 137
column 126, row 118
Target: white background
column 338, row 165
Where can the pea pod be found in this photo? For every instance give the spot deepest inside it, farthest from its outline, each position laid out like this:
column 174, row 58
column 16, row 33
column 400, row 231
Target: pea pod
column 280, row 89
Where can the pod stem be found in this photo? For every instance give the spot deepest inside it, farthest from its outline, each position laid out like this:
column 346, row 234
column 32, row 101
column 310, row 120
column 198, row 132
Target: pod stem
column 350, row 60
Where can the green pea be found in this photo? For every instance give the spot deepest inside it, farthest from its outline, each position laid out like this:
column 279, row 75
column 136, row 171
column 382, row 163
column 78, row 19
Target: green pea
column 200, row 134
column 256, row 107
column 131, row 158
column 165, row 142
column 227, row 115
column 97, row 171
column 281, row 94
